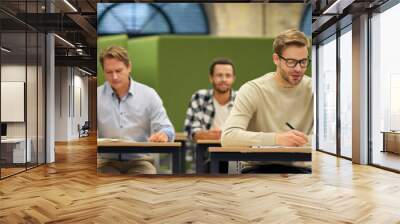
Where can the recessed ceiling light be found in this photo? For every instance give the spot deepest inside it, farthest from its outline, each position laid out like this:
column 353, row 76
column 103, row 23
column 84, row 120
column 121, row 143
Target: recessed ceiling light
column 71, row 6
column 337, row 7
column 84, row 71
column 64, row 40
column 5, row 50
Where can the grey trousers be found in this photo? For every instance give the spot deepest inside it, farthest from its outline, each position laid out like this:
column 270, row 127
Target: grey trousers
column 130, row 167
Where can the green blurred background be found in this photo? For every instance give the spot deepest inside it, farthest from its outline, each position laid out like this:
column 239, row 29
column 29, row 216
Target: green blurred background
column 177, row 66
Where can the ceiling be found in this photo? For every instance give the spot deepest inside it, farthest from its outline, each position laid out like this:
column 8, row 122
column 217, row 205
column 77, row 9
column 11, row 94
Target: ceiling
column 76, row 24
column 329, row 15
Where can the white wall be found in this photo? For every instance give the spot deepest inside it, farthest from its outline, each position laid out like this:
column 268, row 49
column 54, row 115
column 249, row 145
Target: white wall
column 13, row 73
column 61, row 103
column 70, row 84
column 34, row 125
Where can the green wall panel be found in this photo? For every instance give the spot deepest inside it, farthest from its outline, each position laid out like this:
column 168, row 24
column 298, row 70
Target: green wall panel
column 143, row 53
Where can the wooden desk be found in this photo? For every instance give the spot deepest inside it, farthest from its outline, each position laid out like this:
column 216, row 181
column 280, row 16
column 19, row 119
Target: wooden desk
column 123, row 146
column 201, row 153
column 218, row 154
column 15, row 152
column 391, row 141
column 182, row 138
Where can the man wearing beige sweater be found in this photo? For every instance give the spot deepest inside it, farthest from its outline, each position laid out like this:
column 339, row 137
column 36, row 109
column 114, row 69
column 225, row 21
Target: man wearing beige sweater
column 264, row 105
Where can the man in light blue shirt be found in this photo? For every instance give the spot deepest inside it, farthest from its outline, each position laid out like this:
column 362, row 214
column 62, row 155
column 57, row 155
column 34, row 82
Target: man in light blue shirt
column 128, row 110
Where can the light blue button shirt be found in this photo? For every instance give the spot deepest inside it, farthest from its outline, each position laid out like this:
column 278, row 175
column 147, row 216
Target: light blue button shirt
column 136, row 116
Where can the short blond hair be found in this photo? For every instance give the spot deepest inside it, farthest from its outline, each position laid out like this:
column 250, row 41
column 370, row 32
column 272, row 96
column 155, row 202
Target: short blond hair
column 115, row 52
column 288, row 38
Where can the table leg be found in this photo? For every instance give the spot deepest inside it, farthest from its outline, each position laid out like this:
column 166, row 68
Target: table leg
column 183, row 158
column 384, row 142
column 176, row 161
column 200, row 149
column 214, row 166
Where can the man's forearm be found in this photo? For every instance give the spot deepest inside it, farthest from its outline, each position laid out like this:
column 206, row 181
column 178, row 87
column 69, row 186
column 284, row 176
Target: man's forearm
column 239, row 137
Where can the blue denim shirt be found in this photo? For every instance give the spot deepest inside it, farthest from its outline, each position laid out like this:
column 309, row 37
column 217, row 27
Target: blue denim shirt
column 135, row 116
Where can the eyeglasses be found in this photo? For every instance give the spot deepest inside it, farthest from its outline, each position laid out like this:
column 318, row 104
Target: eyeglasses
column 291, row 63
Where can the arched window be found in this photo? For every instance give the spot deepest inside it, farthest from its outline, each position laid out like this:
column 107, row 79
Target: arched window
column 137, row 19
column 305, row 23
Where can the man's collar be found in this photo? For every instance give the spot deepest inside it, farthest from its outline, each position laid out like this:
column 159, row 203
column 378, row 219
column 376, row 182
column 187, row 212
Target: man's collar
column 110, row 90
column 131, row 83
column 232, row 93
column 231, row 97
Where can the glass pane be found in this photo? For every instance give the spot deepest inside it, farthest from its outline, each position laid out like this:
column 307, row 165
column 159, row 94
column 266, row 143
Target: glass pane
column 346, row 94
column 32, row 96
column 14, row 151
column 142, row 18
column 327, row 96
column 130, row 18
column 306, row 20
column 314, row 86
column 41, row 98
column 185, row 17
column 17, row 8
column 385, row 89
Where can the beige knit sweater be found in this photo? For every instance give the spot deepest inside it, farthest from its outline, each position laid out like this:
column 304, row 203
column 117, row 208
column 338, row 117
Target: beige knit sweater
column 262, row 108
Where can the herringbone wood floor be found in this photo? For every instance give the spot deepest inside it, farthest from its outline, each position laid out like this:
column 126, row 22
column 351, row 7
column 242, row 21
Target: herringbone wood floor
column 70, row 191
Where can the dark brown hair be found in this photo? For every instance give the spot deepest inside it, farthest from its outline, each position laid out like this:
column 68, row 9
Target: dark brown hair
column 289, row 38
column 116, row 52
column 221, row 61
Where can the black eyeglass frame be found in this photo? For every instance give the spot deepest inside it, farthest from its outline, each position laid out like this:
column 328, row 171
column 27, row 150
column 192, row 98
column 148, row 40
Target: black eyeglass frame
column 300, row 62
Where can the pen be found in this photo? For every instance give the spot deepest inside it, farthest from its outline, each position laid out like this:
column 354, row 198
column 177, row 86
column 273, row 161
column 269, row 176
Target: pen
column 290, row 126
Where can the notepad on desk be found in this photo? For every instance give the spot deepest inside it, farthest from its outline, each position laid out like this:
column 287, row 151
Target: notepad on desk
column 107, row 139
column 114, row 140
column 277, row 147
column 281, row 149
